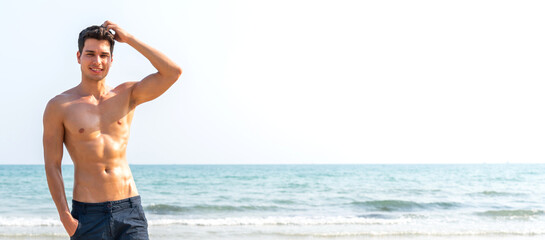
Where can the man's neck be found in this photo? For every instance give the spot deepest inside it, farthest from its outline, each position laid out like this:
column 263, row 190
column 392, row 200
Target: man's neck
column 93, row 87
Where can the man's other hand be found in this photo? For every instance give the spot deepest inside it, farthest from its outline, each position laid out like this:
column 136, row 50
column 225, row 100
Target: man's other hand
column 70, row 225
column 120, row 34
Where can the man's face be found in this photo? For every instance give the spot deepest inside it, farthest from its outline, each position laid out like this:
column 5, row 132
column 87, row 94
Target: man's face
column 95, row 59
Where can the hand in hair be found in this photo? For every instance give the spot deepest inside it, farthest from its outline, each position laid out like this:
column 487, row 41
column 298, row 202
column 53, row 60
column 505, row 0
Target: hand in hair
column 120, row 34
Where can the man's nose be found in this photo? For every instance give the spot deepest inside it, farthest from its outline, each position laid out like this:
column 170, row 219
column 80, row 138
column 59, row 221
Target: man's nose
column 96, row 59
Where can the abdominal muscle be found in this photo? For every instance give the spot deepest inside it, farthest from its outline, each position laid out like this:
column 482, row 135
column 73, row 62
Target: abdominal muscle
column 101, row 171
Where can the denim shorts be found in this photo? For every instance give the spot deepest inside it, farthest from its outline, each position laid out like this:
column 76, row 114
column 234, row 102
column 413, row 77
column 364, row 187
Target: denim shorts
column 115, row 220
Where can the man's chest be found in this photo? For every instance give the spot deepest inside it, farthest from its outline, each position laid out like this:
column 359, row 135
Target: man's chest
column 87, row 119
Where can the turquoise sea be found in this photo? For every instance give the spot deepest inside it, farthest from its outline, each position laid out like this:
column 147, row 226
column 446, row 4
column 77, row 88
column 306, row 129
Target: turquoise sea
column 504, row 201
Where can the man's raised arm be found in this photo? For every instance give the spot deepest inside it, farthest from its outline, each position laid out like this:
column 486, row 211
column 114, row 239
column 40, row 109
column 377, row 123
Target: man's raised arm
column 155, row 84
column 53, row 139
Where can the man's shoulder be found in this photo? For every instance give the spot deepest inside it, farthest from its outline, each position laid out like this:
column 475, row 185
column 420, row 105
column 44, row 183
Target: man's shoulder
column 63, row 98
column 125, row 86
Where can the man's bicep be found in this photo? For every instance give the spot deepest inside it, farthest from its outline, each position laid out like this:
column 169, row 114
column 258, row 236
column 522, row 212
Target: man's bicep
column 53, row 135
column 151, row 87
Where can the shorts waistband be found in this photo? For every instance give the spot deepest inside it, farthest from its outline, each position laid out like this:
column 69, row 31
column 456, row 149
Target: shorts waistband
column 107, row 206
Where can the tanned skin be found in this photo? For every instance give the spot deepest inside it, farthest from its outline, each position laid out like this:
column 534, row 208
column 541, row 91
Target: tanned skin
column 93, row 121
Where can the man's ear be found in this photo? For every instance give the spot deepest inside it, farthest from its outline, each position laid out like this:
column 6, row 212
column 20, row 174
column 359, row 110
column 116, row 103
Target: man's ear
column 79, row 57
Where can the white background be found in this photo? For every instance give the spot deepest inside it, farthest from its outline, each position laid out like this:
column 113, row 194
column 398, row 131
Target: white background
column 296, row 81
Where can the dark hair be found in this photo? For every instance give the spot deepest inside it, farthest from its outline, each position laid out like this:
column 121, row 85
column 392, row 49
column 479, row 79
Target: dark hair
column 96, row 32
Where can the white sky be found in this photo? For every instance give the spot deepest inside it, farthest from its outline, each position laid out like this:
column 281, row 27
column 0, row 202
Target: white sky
column 296, row 81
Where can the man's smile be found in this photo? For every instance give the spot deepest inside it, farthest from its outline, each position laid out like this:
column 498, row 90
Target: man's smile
column 96, row 70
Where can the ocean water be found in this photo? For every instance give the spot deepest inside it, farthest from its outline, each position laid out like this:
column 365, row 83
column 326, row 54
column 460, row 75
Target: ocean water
column 304, row 201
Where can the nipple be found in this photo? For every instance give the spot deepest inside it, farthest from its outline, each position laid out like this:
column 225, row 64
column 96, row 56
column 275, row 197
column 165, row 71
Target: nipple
column 119, row 122
column 81, row 130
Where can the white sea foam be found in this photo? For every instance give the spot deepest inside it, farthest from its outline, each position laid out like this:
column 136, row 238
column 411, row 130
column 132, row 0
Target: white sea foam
column 296, row 221
column 256, row 221
column 28, row 222
column 431, row 233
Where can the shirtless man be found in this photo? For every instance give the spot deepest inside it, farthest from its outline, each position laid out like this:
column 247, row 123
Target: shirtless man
column 93, row 121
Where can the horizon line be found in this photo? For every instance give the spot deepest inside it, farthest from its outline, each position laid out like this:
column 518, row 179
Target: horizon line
column 247, row 164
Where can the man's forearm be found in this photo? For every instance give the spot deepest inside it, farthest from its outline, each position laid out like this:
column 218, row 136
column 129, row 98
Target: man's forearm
column 56, row 188
column 161, row 62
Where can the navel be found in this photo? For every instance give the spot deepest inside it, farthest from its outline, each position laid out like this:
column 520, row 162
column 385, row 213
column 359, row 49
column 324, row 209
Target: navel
column 81, row 130
column 107, row 170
